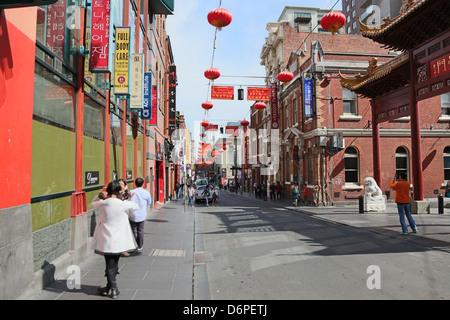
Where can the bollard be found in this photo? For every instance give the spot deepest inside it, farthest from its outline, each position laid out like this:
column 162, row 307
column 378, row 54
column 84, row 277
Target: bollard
column 361, row 204
column 441, row 204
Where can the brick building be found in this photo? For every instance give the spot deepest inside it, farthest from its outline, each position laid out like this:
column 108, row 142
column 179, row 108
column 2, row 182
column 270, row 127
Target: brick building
column 333, row 146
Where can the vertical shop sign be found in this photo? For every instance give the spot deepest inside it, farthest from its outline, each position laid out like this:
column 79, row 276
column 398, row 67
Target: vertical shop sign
column 88, row 75
column 308, row 95
column 274, row 103
column 172, row 98
column 137, row 73
column 122, row 61
column 56, row 28
column 146, row 112
column 100, row 25
column 154, row 119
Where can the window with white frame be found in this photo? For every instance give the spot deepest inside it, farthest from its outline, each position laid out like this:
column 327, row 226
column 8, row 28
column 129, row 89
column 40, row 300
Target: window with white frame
column 349, row 99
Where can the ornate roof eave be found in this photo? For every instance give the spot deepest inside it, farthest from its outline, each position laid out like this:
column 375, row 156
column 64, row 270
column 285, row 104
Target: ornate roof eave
column 402, row 32
column 374, row 73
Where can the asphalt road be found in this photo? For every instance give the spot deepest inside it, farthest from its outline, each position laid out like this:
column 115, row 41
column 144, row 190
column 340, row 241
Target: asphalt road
column 257, row 250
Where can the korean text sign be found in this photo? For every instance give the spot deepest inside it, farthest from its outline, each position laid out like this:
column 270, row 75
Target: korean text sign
column 100, row 35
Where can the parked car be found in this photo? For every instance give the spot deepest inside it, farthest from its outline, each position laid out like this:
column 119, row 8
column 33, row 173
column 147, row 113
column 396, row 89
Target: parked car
column 199, row 194
column 201, row 182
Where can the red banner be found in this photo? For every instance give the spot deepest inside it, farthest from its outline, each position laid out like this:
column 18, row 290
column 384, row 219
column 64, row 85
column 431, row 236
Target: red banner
column 258, row 94
column 154, row 120
column 56, row 28
column 225, row 93
column 440, row 66
column 99, row 53
column 274, row 104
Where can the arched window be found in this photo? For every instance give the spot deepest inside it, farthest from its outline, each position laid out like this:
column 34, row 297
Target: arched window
column 401, row 161
column 447, row 163
column 351, row 158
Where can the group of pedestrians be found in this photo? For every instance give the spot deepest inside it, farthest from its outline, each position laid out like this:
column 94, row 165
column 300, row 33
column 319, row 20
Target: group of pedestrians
column 120, row 227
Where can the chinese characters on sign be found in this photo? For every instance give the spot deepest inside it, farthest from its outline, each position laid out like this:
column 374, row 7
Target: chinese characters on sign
column 274, row 103
column 258, row 94
column 122, row 60
column 220, row 92
column 137, row 66
column 440, row 66
column 100, row 24
column 172, row 98
column 308, row 95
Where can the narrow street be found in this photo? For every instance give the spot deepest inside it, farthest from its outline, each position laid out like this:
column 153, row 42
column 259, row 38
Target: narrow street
column 264, row 251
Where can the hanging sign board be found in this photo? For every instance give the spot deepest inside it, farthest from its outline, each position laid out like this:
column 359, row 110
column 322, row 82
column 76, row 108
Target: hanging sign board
column 100, row 29
column 258, row 94
column 56, row 28
column 220, row 92
column 137, row 74
column 146, row 112
column 122, row 61
column 308, row 95
column 172, row 98
column 153, row 121
column 274, row 103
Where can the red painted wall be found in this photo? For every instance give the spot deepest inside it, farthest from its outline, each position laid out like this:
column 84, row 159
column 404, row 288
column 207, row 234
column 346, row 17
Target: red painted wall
column 17, row 51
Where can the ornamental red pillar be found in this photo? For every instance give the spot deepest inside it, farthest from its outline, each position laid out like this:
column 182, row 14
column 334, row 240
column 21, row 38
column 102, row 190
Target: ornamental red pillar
column 416, row 145
column 376, row 145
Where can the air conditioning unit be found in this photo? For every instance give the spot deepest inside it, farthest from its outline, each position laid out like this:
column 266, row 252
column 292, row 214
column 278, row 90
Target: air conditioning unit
column 337, row 141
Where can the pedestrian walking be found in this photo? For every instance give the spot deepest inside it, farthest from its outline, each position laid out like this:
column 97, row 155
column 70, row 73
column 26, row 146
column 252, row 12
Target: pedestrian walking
column 124, row 194
column 215, row 196
column 316, row 194
column 191, row 195
column 273, row 190
column 143, row 199
column 295, row 194
column 113, row 234
column 206, row 193
column 402, row 198
column 279, row 189
column 447, row 189
column 305, row 194
column 264, row 191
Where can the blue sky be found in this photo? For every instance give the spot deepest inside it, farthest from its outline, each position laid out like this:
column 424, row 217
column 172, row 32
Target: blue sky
column 237, row 53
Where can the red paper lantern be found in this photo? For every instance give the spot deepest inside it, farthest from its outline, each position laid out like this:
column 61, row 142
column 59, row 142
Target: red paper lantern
column 260, row 105
column 285, row 76
column 332, row 21
column 244, row 123
column 204, row 123
column 212, row 73
column 207, row 105
column 219, row 17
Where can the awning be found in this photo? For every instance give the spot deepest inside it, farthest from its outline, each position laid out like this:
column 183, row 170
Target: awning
column 161, row 6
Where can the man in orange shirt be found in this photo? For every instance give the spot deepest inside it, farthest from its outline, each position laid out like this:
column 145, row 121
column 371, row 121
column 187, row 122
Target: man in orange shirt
column 402, row 188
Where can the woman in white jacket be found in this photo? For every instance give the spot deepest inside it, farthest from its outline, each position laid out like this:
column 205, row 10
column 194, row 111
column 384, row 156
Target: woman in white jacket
column 113, row 233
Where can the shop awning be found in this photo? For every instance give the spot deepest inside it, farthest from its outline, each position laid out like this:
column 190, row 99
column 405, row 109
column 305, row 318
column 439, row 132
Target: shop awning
column 161, row 6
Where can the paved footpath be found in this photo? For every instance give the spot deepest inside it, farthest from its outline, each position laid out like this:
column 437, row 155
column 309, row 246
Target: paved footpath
column 172, row 264
column 164, row 269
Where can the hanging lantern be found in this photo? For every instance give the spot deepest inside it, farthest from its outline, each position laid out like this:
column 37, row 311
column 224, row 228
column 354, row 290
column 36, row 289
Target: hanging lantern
column 285, row 76
column 207, row 105
column 212, row 73
column 204, row 123
column 202, row 134
column 332, row 21
column 260, row 105
column 219, row 17
column 244, row 123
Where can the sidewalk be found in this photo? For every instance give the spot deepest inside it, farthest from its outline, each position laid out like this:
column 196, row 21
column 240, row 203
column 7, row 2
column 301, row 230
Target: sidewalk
column 173, row 255
column 164, row 269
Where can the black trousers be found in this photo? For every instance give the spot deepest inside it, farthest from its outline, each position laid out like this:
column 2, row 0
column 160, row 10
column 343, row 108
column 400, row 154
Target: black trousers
column 138, row 232
column 112, row 268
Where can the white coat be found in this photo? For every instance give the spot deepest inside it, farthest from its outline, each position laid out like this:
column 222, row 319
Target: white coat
column 113, row 232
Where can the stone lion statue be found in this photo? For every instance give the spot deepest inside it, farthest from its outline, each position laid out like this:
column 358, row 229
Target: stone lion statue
column 372, row 191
